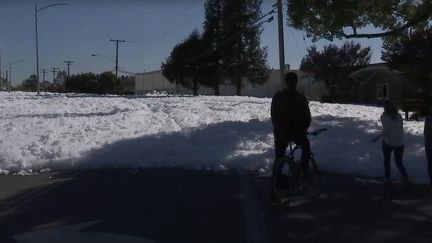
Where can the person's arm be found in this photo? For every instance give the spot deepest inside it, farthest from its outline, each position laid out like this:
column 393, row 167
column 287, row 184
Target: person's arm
column 308, row 114
column 384, row 129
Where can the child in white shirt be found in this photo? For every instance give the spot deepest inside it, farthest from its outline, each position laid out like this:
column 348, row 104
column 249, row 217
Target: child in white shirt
column 392, row 135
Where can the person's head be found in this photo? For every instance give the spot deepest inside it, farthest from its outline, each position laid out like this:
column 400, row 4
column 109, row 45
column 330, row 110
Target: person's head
column 291, row 80
column 390, row 108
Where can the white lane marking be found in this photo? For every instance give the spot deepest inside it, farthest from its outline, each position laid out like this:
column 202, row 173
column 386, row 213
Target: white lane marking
column 254, row 217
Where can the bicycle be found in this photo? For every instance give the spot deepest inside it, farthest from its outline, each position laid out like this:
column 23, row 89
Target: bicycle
column 293, row 184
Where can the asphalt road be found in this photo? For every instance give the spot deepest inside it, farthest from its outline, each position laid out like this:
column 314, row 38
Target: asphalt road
column 174, row 205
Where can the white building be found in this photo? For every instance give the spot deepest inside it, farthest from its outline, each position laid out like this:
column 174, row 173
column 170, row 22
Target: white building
column 308, row 85
column 153, row 81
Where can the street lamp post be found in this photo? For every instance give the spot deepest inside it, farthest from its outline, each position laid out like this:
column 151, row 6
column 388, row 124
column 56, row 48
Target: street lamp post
column 37, row 10
column 10, row 73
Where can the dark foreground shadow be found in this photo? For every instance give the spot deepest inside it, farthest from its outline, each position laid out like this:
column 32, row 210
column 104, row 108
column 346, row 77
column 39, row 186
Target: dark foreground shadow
column 176, row 205
column 166, row 205
column 349, row 211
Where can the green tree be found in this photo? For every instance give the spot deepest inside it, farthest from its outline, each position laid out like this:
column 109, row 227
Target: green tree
column 411, row 54
column 104, row 83
column 213, row 35
column 82, row 83
column 229, row 48
column 334, row 64
column 29, row 84
column 241, row 51
column 348, row 18
column 185, row 64
column 107, row 83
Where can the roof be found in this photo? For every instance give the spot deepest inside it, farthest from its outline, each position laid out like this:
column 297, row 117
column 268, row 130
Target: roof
column 368, row 73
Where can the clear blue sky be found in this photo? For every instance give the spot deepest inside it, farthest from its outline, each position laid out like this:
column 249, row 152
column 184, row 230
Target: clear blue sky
column 151, row 27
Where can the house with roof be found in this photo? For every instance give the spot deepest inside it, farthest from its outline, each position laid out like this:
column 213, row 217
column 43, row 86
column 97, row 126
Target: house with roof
column 376, row 84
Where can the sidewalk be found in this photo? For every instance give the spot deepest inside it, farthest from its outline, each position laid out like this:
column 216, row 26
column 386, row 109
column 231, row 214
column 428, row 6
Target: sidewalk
column 174, row 205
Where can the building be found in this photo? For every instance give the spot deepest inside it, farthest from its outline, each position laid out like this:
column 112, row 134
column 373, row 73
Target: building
column 308, row 85
column 376, row 84
column 153, row 81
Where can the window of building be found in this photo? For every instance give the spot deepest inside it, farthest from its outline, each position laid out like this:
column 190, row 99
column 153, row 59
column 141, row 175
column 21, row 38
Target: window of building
column 382, row 92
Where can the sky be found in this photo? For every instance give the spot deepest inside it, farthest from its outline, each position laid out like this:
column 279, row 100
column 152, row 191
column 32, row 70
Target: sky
column 151, row 29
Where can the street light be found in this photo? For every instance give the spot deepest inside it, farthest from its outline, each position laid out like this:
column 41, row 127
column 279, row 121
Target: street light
column 10, row 73
column 114, row 61
column 103, row 57
column 37, row 10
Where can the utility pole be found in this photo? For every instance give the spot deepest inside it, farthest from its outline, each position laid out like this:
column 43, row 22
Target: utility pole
column 36, row 10
column 44, row 71
column 117, row 45
column 6, row 78
column 281, row 40
column 68, row 63
column 54, row 70
column 10, row 72
column 217, row 56
column 10, row 77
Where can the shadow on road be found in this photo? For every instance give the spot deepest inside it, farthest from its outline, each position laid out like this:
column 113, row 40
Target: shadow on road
column 159, row 205
column 349, row 211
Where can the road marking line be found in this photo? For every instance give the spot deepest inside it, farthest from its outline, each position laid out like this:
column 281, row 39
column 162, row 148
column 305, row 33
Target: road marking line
column 254, row 217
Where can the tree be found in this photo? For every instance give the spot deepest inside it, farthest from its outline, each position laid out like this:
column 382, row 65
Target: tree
column 241, row 51
column 82, row 83
column 212, row 35
column 334, row 64
column 229, row 47
column 105, row 83
column 29, row 84
column 411, row 54
column 333, row 19
column 61, row 77
column 185, row 66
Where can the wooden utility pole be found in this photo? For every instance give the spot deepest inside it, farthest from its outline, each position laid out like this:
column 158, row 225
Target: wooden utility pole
column 43, row 71
column 54, row 71
column 281, row 40
column 117, row 45
column 68, row 63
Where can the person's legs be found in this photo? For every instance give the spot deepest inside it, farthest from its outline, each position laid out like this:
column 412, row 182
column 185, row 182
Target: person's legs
column 398, row 152
column 386, row 153
column 304, row 143
column 280, row 143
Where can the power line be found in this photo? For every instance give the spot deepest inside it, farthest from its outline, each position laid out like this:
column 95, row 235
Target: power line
column 179, row 22
column 257, row 23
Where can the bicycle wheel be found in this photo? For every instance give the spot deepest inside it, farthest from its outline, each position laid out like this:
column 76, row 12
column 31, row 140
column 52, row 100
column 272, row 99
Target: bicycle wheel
column 311, row 186
column 286, row 181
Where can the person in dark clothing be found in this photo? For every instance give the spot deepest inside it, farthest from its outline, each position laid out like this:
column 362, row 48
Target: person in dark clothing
column 427, row 113
column 291, row 118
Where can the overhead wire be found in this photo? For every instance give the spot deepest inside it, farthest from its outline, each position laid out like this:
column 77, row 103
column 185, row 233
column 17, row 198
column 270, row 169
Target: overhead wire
column 257, row 23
